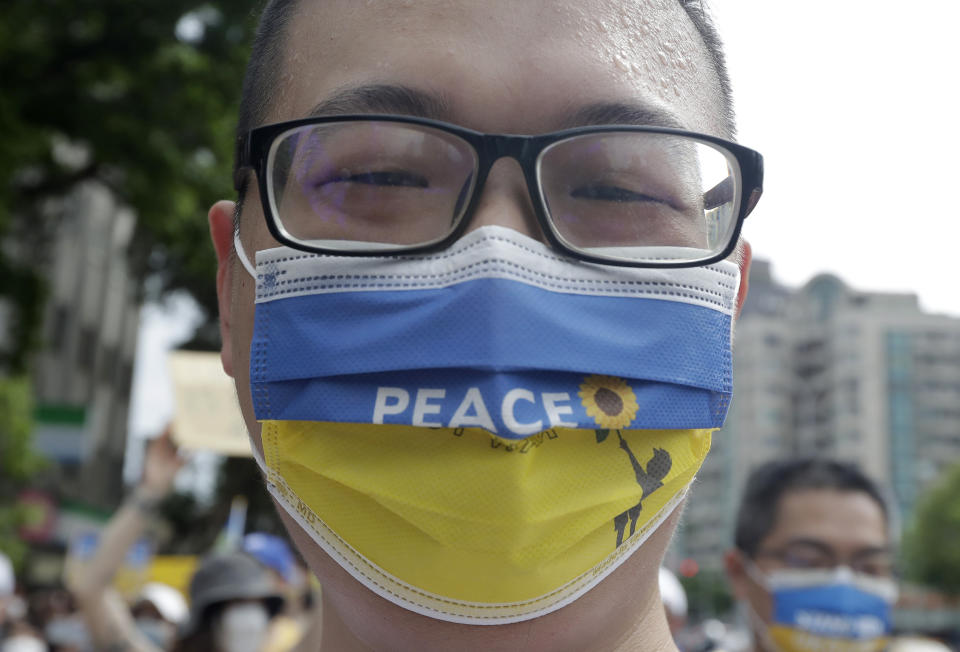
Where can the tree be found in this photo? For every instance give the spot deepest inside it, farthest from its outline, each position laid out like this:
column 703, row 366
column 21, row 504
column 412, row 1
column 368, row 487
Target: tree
column 708, row 594
column 18, row 462
column 194, row 527
column 932, row 556
column 140, row 100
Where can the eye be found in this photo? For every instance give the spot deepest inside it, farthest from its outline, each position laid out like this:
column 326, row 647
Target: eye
column 806, row 560
column 601, row 192
column 880, row 567
column 396, row 179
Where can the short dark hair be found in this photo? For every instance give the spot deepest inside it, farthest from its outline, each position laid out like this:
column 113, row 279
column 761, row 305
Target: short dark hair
column 769, row 482
column 267, row 54
column 701, row 19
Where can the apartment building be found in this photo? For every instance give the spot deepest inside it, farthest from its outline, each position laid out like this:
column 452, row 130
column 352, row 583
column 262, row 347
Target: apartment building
column 82, row 376
column 825, row 369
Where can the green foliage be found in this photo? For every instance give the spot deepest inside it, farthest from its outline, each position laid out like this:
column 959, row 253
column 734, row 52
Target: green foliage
column 194, row 527
column 18, row 461
column 240, row 476
column 708, row 595
column 26, row 291
column 106, row 90
column 191, row 526
column 931, row 551
column 11, row 518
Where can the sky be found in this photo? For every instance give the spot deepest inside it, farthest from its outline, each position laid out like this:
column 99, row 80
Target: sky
column 854, row 107
column 163, row 326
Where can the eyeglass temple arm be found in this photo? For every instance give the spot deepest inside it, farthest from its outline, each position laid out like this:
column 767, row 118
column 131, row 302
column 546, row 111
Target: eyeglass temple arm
column 723, row 192
column 719, row 195
column 242, row 157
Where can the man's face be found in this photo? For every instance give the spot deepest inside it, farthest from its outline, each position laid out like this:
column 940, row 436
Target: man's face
column 496, row 66
column 822, row 529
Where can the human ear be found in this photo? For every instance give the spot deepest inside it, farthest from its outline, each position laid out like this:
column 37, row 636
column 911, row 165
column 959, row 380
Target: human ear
column 733, row 564
column 220, row 218
column 745, row 256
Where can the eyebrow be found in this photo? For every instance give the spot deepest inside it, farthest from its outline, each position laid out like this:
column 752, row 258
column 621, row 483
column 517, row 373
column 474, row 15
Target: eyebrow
column 621, row 113
column 825, row 547
column 405, row 100
column 384, row 98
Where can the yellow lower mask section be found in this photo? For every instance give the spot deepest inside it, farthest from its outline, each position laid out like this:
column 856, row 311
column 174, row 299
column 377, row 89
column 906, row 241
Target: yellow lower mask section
column 788, row 639
column 463, row 526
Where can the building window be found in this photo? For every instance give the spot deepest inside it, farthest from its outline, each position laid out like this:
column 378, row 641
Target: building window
column 60, row 328
column 86, row 349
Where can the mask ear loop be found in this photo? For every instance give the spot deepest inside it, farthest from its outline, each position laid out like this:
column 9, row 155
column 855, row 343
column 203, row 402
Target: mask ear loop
column 754, row 573
column 759, row 628
column 242, row 255
column 251, row 270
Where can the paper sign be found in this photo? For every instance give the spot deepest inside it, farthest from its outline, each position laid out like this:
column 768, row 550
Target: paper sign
column 206, row 413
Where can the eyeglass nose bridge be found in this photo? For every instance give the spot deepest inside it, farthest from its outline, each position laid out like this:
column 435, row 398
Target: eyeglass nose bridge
column 524, row 150
column 497, row 146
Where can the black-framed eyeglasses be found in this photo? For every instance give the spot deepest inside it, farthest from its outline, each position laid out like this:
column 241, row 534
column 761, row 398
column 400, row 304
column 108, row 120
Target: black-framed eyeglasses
column 879, row 562
column 634, row 196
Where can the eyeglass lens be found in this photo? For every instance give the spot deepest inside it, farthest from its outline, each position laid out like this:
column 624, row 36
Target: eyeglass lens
column 804, row 555
column 636, row 195
column 369, row 183
column 383, row 185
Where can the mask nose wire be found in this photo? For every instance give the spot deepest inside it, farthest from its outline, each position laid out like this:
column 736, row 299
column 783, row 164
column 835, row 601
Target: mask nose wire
column 242, row 255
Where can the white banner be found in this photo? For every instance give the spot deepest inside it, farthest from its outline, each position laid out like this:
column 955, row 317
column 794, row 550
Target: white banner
column 206, row 413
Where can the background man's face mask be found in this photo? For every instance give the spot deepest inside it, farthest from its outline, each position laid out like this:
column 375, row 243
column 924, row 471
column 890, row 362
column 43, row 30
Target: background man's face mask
column 483, row 434
column 836, row 610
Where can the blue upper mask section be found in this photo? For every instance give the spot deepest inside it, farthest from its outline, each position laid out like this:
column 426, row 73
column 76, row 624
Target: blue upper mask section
column 497, row 332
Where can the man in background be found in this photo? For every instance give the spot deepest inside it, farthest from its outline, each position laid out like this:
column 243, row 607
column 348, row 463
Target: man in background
column 813, row 563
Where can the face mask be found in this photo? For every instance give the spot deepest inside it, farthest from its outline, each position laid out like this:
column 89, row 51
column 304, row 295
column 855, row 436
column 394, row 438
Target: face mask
column 483, row 434
column 242, row 627
column 67, row 631
column 835, row 610
column 159, row 632
column 21, row 643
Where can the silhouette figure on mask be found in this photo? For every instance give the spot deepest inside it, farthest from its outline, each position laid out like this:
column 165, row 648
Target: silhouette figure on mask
column 650, row 479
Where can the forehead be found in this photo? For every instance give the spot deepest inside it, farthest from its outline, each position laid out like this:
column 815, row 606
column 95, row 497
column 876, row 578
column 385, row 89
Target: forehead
column 501, row 65
column 846, row 521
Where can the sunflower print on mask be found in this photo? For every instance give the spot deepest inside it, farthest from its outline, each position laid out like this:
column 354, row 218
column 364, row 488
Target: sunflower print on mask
column 609, row 400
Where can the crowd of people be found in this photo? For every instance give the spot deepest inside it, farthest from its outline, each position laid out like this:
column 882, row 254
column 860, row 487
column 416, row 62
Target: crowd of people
column 253, row 598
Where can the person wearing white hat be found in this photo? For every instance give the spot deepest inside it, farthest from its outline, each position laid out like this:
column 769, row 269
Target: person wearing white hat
column 7, row 584
column 159, row 611
column 14, row 636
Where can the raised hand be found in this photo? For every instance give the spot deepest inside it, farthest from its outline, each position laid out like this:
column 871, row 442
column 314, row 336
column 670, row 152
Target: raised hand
column 161, row 464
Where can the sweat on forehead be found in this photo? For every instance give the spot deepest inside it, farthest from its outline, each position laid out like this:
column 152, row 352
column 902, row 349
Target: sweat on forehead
column 675, row 36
